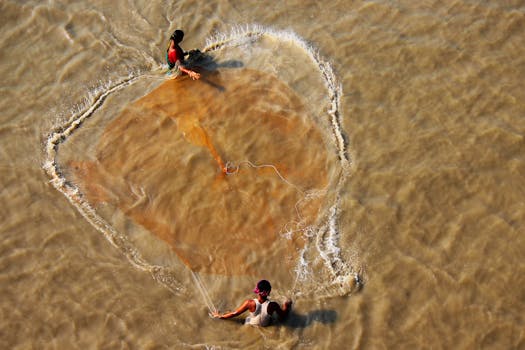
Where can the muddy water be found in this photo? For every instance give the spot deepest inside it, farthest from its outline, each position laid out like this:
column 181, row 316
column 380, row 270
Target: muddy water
column 430, row 212
column 163, row 163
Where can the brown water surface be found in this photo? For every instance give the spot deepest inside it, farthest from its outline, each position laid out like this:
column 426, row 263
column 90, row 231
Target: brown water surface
column 161, row 162
column 433, row 211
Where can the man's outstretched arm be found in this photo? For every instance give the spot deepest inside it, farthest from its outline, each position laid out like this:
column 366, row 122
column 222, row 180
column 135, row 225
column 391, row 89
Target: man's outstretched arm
column 245, row 306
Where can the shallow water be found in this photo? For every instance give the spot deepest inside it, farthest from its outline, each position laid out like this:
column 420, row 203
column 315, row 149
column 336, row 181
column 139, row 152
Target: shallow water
column 430, row 211
column 161, row 163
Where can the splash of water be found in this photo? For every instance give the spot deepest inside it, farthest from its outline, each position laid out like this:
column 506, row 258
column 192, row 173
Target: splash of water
column 243, row 35
column 326, row 236
column 75, row 197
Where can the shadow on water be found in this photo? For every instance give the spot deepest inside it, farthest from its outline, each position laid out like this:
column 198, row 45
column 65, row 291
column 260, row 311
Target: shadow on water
column 205, row 64
column 200, row 59
column 295, row 320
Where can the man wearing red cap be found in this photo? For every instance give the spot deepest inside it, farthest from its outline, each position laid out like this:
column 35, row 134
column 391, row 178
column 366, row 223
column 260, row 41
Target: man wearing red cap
column 261, row 308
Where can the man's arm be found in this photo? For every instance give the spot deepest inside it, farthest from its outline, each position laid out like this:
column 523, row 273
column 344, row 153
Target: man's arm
column 194, row 75
column 245, row 306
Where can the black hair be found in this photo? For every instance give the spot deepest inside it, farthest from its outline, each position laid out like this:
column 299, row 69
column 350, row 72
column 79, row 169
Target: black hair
column 264, row 285
column 177, row 36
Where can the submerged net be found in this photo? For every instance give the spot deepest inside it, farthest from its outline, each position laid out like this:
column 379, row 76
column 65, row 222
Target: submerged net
column 306, row 230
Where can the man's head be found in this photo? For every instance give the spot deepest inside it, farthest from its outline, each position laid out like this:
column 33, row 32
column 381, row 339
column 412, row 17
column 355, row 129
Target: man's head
column 177, row 36
column 263, row 288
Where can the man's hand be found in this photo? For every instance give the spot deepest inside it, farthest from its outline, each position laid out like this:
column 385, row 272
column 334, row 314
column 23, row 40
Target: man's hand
column 194, row 75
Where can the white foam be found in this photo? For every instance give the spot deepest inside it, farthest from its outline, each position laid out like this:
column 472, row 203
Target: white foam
column 326, row 235
column 241, row 35
column 74, row 195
